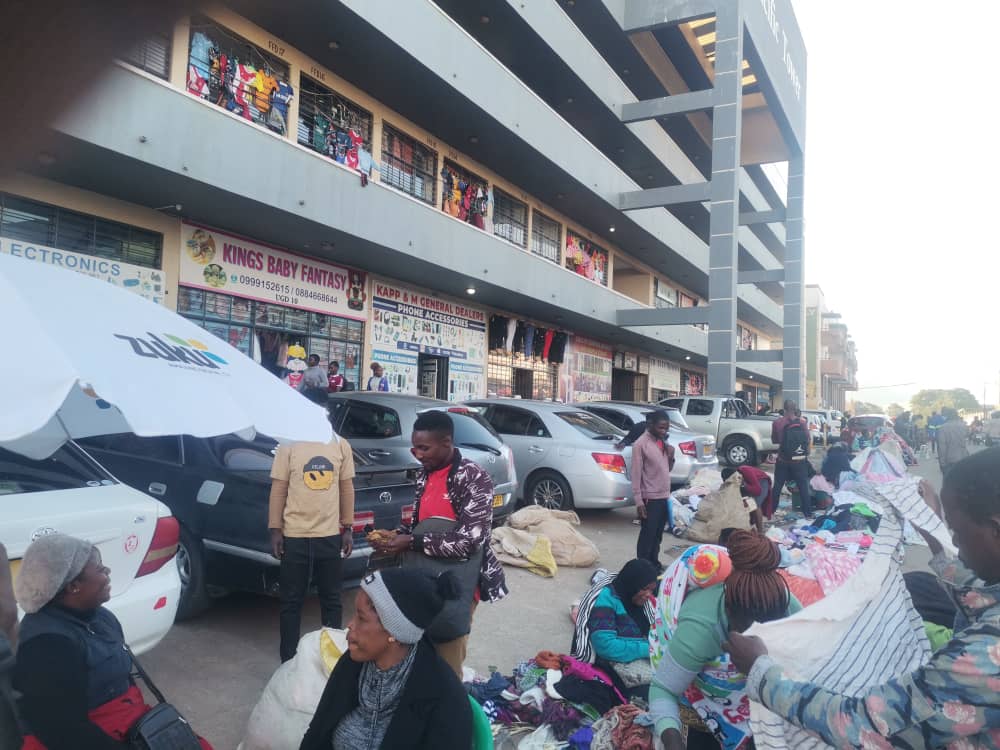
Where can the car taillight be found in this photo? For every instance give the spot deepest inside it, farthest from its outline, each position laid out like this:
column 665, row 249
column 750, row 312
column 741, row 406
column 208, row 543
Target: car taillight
column 361, row 520
column 610, row 462
column 407, row 513
column 688, row 448
column 162, row 548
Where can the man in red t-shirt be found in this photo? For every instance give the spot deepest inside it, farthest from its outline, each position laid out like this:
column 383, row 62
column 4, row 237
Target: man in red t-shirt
column 335, row 381
column 457, row 489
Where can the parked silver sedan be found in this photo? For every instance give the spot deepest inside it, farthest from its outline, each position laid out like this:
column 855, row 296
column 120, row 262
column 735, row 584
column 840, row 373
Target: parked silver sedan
column 378, row 425
column 692, row 451
column 566, row 457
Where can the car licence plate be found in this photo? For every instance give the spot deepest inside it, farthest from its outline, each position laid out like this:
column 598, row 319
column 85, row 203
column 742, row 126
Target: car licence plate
column 497, row 501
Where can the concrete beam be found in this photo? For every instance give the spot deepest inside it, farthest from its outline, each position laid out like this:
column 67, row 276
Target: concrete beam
column 666, row 106
column 760, row 355
column 698, row 192
column 773, row 216
column 646, row 15
column 663, row 316
column 761, row 277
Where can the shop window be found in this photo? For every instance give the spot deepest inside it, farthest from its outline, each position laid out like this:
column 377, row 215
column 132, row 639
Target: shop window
column 665, row 296
column 586, row 259
column 692, row 384
column 152, row 54
column 515, row 375
column 37, row 223
column 746, row 339
column 333, row 125
column 510, row 218
column 261, row 330
column 408, row 165
column 230, row 72
column 545, row 236
column 464, row 195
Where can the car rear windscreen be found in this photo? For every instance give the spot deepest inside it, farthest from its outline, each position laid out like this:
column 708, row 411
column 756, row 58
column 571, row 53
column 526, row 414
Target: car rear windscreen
column 590, row 425
column 66, row 469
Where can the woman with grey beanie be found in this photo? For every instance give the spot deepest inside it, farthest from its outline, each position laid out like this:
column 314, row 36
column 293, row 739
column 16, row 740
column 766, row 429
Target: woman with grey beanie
column 73, row 671
column 392, row 690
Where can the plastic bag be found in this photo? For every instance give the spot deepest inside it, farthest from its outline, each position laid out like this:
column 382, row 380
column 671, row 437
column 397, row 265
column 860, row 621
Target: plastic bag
column 281, row 717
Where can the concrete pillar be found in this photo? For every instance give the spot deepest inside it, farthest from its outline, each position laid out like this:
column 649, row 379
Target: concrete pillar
column 794, row 278
column 723, row 248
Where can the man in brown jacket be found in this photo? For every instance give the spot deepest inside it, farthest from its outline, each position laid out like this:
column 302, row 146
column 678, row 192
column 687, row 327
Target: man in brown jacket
column 310, row 518
column 652, row 461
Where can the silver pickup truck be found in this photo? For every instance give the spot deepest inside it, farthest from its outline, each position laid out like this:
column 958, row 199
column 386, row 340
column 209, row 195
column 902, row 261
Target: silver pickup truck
column 742, row 437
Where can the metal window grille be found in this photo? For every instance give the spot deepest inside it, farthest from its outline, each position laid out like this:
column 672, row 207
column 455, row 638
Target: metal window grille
column 151, row 54
column 408, row 165
column 40, row 223
column 510, row 218
column 324, row 114
column 235, row 86
column 515, row 375
column 545, row 236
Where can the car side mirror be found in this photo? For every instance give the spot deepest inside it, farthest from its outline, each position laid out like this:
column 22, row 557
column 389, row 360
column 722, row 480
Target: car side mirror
column 210, row 492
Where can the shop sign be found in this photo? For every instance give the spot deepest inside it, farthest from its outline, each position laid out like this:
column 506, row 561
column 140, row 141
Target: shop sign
column 589, row 378
column 630, row 362
column 220, row 262
column 642, row 365
column 692, row 383
column 146, row 282
column 409, row 322
column 664, row 375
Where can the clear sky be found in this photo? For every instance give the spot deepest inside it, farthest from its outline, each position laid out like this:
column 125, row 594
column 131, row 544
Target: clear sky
column 902, row 199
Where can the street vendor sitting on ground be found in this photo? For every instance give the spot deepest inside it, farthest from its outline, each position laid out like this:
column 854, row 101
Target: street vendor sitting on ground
column 952, row 701
column 613, row 625
column 706, row 592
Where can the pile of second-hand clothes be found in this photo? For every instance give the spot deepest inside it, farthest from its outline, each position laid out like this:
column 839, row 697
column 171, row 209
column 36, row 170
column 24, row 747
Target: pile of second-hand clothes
column 556, row 701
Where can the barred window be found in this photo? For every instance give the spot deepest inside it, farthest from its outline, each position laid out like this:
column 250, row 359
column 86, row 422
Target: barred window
column 151, row 54
column 32, row 222
column 327, row 119
column 545, row 236
column 510, row 218
column 408, row 165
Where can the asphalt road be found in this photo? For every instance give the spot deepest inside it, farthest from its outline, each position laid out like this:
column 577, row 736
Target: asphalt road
column 214, row 667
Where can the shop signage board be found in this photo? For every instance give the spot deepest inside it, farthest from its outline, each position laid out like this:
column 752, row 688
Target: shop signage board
column 692, row 383
column 230, row 264
column 150, row 283
column 408, row 322
column 589, row 377
column 664, row 375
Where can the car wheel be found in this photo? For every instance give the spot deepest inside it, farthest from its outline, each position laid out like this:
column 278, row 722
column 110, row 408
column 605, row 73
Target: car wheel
column 741, row 452
column 191, row 567
column 549, row 490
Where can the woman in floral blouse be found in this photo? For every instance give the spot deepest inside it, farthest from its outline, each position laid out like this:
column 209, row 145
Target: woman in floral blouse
column 954, row 700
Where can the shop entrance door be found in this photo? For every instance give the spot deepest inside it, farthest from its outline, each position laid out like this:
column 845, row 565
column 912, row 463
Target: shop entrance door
column 524, row 383
column 432, row 376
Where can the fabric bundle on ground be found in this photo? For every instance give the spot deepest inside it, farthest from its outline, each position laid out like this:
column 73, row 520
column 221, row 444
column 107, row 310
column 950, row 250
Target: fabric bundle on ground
column 861, row 634
column 721, row 509
column 569, row 546
column 523, row 549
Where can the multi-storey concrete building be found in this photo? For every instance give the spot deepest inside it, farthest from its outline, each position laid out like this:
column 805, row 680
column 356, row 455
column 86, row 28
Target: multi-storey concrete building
column 831, row 354
column 554, row 199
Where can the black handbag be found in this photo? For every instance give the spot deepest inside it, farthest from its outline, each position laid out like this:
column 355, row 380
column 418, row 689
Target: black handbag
column 162, row 727
column 455, row 619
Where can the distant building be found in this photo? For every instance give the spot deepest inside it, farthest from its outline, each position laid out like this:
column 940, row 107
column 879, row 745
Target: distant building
column 831, row 360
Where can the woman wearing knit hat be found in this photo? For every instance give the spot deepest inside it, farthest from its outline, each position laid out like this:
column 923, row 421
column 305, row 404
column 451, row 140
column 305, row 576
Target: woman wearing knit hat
column 393, row 691
column 705, row 593
column 72, row 670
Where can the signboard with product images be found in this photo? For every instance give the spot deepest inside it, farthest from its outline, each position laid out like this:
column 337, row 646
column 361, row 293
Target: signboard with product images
column 409, row 322
column 692, row 383
column 226, row 263
column 590, row 374
column 150, row 283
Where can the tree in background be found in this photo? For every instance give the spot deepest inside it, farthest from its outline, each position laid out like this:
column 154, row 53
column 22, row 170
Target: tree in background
column 894, row 410
column 933, row 399
column 863, row 407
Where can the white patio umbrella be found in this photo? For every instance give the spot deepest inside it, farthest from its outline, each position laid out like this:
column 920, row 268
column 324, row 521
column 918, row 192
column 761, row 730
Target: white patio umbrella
column 80, row 357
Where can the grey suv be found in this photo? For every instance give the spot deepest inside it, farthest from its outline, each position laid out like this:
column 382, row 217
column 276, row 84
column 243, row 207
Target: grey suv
column 379, row 425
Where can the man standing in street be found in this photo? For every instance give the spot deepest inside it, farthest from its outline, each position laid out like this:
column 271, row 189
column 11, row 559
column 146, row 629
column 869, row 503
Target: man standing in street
column 652, row 461
column 455, row 489
column 933, row 425
column 791, row 436
column 310, row 518
column 952, row 440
